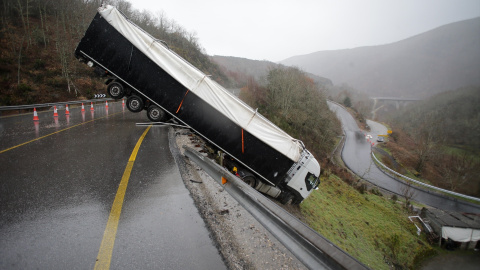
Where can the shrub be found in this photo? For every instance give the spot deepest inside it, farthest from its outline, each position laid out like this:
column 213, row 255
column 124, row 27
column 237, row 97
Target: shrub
column 347, row 102
column 23, row 89
column 375, row 191
column 39, row 64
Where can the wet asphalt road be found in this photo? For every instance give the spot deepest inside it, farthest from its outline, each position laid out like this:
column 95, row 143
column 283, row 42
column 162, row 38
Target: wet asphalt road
column 56, row 195
column 356, row 155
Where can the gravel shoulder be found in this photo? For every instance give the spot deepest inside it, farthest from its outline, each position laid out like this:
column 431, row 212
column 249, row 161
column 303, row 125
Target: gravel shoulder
column 241, row 240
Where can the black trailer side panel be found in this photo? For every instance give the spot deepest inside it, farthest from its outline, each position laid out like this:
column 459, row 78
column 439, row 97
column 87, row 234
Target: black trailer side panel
column 103, row 44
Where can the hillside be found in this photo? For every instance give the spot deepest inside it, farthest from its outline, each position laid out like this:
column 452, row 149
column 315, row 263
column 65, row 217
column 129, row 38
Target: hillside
column 38, row 39
column 239, row 69
column 439, row 60
column 437, row 140
column 455, row 114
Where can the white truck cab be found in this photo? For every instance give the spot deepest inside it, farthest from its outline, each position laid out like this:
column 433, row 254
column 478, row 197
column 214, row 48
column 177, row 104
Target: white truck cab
column 304, row 175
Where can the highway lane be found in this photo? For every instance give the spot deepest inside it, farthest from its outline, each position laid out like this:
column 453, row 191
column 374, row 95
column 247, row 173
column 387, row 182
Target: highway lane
column 57, row 191
column 356, row 155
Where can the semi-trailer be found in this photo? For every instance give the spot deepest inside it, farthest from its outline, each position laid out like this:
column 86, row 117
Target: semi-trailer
column 154, row 78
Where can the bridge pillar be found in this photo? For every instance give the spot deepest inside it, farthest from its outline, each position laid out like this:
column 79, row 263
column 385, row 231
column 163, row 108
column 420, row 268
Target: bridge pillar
column 374, row 109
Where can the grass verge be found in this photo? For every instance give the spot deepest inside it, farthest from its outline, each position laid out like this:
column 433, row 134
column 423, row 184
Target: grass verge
column 372, row 228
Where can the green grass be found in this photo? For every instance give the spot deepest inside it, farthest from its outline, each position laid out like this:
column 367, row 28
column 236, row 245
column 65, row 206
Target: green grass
column 372, row 228
column 384, row 148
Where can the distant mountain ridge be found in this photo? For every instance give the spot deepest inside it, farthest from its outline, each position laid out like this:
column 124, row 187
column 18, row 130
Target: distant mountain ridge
column 439, row 60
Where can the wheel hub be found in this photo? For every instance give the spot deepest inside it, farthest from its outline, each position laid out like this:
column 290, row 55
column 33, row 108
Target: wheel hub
column 115, row 90
column 134, row 104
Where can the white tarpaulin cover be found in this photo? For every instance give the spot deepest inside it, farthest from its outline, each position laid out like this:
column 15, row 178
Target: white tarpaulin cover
column 460, row 234
column 203, row 86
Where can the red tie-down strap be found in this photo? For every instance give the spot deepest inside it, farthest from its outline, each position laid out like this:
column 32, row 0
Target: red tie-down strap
column 182, row 101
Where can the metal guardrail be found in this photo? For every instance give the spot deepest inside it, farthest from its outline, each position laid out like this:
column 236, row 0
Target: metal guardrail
column 42, row 105
column 312, row 249
column 426, row 185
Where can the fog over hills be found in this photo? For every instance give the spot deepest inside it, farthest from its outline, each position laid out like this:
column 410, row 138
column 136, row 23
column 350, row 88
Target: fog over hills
column 439, row 60
column 258, row 69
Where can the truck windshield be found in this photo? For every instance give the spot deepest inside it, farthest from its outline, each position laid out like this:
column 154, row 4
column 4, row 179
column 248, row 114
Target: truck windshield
column 311, row 181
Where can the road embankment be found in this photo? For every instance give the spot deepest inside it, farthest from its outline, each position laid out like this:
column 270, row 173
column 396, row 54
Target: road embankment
column 241, row 240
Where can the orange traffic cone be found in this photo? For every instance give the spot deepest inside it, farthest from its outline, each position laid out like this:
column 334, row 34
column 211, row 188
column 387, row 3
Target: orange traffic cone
column 91, row 106
column 123, row 102
column 35, row 115
column 67, row 112
column 55, row 113
column 83, row 108
column 106, row 104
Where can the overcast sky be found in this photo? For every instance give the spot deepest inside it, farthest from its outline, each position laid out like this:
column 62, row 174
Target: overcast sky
column 278, row 29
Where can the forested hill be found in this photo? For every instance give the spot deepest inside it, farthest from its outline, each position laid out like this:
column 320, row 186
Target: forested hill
column 240, row 69
column 442, row 59
column 38, row 39
column 452, row 117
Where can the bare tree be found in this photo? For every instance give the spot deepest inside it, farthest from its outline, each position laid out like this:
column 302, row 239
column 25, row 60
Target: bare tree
column 296, row 104
column 285, row 86
column 408, row 192
column 428, row 137
column 20, row 60
column 23, row 9
column 43, row 24
column 458, row 170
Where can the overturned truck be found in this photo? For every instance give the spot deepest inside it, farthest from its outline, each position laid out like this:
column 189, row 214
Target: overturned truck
column 156, row 79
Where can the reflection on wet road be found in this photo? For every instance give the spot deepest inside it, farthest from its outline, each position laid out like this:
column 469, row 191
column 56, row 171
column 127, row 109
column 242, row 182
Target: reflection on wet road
column 356, row 155
column 58, row 185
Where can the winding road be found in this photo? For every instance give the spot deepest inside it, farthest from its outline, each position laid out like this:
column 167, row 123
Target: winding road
column 356, row 155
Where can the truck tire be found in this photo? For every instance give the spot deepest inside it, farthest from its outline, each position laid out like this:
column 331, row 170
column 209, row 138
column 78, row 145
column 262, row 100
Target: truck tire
column 287, row 199
column 116, row 90
column 296, row 201
column 156, row 114
column 135, row 103
column 250, row 180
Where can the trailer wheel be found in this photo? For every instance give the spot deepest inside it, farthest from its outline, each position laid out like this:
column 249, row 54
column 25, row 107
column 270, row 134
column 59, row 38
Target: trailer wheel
column 116, row 90
column 156, row 114
column 135, row 103
column 250, row 180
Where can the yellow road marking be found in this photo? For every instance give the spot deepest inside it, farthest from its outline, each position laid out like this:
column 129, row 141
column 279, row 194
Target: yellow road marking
column 22, row 144
column 104, row 256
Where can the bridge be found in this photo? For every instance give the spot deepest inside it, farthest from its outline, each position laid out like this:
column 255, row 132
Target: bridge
column 380, row 102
